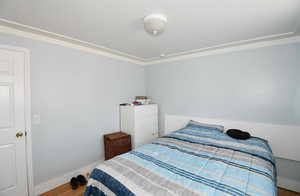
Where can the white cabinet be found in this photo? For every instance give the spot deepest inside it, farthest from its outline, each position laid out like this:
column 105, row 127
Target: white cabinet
column 141, row 122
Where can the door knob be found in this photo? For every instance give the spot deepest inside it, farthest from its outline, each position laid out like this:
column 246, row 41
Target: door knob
column 19, row 134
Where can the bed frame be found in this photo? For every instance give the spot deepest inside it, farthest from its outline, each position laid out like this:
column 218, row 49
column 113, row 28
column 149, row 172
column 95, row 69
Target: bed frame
column 284, row 139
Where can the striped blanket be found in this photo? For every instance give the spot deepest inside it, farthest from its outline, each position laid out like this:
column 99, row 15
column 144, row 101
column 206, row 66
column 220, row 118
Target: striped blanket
column 190, row 161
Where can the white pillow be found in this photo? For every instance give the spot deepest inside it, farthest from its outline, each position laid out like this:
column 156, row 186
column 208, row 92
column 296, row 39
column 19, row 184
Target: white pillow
column 195, row 123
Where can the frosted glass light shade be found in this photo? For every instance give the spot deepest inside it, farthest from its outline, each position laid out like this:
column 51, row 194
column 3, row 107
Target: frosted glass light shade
column 155, row 24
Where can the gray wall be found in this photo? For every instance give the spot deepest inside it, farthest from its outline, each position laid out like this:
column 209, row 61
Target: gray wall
column 77, row 96
column 261, row 85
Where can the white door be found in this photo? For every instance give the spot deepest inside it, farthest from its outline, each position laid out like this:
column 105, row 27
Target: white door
column 13, row 173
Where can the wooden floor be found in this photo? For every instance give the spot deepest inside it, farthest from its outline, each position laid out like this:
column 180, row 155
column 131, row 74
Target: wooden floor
column 65, row 190
column 284, row 192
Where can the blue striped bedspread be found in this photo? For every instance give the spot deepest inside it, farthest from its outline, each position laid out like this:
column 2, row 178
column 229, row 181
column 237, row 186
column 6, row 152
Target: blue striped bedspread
column 189, row 162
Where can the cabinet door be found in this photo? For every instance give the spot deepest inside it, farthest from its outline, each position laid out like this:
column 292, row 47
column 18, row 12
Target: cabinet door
column 146, row 124
column 127, row 119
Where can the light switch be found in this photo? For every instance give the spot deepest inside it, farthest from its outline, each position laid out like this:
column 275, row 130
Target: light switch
column 36, row 119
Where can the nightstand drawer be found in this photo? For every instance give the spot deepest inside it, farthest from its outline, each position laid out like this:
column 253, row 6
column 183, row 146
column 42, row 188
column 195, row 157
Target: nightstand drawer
column 122, row 142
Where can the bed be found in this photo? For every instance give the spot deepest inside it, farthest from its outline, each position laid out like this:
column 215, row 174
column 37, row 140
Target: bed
column 194, row 160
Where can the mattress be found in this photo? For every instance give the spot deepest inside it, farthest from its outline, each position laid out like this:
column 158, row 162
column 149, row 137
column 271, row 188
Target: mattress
column 190, row 161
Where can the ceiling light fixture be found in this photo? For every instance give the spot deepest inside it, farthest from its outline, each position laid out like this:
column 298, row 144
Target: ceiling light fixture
column 155, row 24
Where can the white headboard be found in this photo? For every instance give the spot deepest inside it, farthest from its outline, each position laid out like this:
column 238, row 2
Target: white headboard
column 283, row 139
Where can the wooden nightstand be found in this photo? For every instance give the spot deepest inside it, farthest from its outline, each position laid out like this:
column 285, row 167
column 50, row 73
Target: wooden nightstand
column 116, row 144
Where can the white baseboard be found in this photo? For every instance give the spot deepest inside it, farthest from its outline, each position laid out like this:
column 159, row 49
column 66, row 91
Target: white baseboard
column 60, row 180
column 289, row 184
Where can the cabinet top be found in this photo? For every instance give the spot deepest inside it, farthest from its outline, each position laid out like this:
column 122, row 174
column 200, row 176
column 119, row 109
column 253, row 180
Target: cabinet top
column 115, row 136
column 152, row 104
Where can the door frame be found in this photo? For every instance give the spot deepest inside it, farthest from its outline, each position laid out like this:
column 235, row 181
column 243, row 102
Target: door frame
column 27, row 102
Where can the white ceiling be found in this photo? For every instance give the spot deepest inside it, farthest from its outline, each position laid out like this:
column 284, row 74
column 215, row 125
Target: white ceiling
column 193, row 25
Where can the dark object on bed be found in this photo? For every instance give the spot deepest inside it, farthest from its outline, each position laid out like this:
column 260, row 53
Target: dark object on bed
column 238, row 134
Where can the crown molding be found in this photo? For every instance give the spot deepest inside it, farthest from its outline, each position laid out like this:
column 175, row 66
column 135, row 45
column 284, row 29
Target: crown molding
column 279, row 39
column 228, row 44
column 10, row 27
